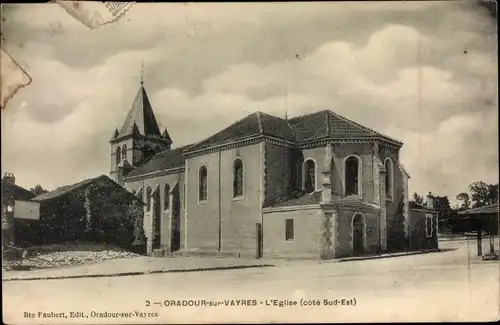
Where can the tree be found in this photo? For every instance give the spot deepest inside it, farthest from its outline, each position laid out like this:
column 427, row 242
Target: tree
column 483, row 194
column 38, row 189
column 418, row 199
column 396, row 240
column 465, row 199
column 442, row 205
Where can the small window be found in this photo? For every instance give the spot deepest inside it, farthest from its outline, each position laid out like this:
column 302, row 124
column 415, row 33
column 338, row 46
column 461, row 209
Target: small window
column 166, row 197
column 352, row 176
column 118, row 155
column 429, row 225
column 148, row 199
column 203, row 186
column 133, row 192
column 238, row 178
column 289, row 229
column 310, row 176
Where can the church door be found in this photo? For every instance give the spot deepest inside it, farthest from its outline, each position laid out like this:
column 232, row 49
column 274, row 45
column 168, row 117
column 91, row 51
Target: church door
column 357, row 234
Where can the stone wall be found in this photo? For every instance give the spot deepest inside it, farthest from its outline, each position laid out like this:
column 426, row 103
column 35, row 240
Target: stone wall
column 418, row 237
column 345, row 231
column 236, row 227
column 158, row 183
column 305, row 243
column 277, row 172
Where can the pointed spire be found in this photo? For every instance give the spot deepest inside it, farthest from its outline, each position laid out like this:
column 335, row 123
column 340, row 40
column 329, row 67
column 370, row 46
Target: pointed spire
column 142, row 116
column 166, row 136
column 124, row 164
column 135, row 129
column 115, row 135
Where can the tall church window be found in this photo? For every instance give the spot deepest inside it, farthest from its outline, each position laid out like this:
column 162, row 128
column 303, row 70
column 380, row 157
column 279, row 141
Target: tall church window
column 124, row 152
column 298, row 175
column 166, row 197
column 389, row 178
column 118, row 155
column 310, row 176
column 352, row 176
column 203, row 186
column 238, row 178
column 149, row 197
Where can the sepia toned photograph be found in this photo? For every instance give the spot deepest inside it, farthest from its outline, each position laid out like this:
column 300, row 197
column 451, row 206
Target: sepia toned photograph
column 188, row 163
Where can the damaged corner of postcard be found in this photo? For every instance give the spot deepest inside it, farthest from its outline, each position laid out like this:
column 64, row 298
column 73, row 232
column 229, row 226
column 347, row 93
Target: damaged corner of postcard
column 12, row 77
column 94, row 14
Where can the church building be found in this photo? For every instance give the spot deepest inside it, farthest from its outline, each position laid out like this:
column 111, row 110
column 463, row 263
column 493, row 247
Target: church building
column 314, row 186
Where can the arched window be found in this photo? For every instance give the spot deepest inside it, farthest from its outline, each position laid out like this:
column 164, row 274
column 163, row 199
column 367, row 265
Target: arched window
column 166, row 197
column 309, row 176
column 203, row 186
column 149, row 197
column 352, row 176
column 238, row 178
column 118, row 155
column 124, row 152
column 133, row 192
column 389, row 178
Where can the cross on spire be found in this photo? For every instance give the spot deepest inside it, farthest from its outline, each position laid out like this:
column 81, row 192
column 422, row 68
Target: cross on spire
column 142, row 73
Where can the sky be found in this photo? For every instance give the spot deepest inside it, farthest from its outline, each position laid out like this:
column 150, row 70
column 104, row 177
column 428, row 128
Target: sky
column 424, row 73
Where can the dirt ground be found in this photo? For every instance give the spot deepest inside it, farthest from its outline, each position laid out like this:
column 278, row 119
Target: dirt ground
column 454, row 285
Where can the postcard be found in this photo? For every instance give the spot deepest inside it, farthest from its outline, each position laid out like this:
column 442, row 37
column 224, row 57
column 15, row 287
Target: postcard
column 185, row 163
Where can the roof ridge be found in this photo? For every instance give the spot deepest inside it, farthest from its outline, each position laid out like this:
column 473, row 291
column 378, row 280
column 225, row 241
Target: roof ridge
column 72, row 186
column 308, row 114
column 172, row 149
column 351, row 121
column 373, row 132
column 327, row 123
column 291, row 129
column 259, row 121
column 218, row 132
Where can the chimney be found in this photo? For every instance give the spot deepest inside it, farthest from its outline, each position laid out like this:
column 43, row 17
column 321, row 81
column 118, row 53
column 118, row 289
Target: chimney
column 430, row 201
column 9, row 177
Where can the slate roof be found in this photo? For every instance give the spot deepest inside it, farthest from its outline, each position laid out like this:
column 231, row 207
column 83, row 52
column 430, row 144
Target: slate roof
column 254, row 124
column 310, row 127
column 141, row 115
column 326, row 123
column 488, row 209
column 10, row 190
column 307, row 199
column 63, row 190
column 163, row 160
column 314, row 199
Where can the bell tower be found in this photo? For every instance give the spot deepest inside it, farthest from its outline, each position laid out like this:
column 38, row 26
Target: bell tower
column 138, row 139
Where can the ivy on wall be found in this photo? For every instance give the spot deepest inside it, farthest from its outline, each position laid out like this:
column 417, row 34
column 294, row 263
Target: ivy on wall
column 396, row 240
column 97, row 213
